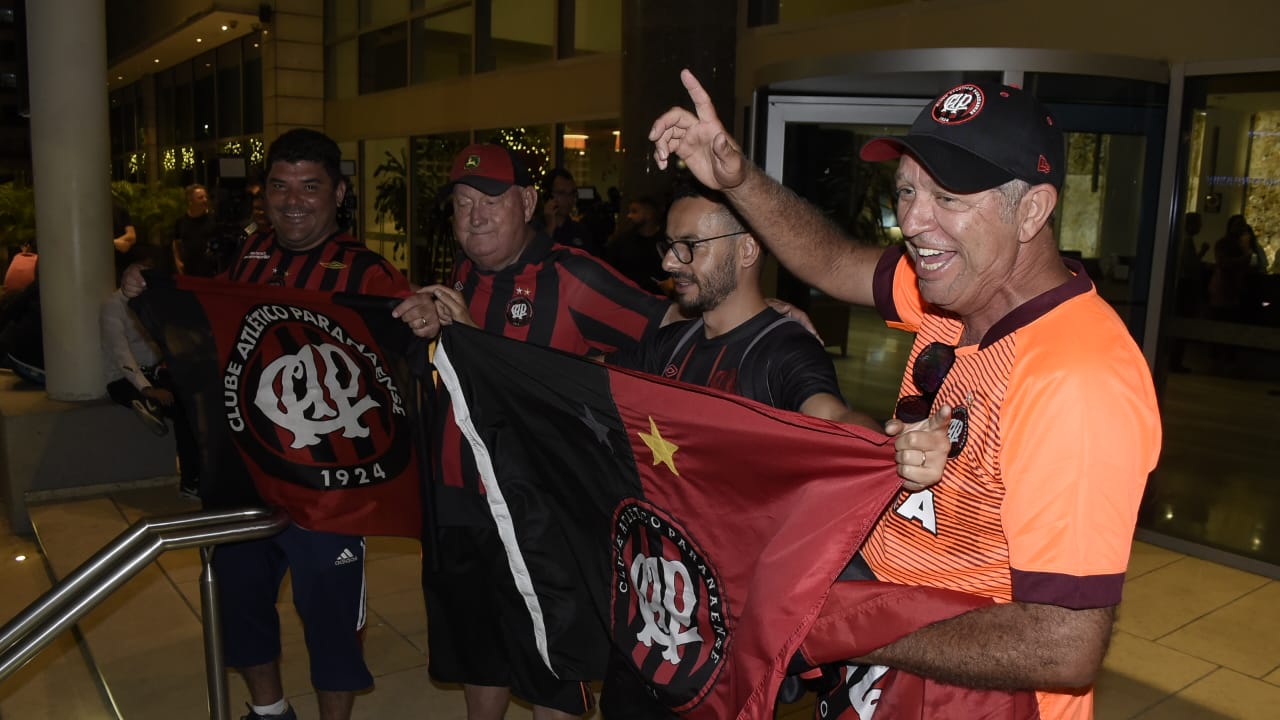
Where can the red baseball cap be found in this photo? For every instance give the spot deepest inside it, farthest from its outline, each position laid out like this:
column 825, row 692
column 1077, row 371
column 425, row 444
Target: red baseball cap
column 491, row 169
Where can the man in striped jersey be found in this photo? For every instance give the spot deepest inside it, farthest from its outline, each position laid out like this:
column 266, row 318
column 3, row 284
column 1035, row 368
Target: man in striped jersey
column 1055, row 425
column 512, row 280
column 307, row 249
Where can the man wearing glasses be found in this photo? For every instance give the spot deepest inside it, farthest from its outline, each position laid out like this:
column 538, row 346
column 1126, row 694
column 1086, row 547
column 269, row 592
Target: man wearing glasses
column 1055, row 425
column 741, row 345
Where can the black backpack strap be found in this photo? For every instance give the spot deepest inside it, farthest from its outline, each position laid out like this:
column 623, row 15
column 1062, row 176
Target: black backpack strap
column 694, row 327
column 768, row 391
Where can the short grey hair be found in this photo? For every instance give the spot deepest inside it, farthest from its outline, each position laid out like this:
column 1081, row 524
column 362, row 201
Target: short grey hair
column 1011, row 193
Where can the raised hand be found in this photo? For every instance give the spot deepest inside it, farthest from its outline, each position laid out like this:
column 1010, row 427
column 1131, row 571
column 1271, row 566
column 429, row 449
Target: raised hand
column 699, row 138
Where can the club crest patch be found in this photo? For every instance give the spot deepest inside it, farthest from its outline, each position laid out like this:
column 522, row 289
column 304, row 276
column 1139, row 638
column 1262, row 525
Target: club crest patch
column 958, row 431
column 319, row 405
column 959, row 105
column 669, row 613
column 519, row 311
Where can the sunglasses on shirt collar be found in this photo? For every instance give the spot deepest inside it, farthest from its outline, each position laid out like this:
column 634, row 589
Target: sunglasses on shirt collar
column 928, row 373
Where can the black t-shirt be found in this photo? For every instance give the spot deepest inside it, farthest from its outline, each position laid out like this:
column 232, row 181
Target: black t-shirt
column 769, row 358
column 574, row 234
column 192, row 234
column 636, row 256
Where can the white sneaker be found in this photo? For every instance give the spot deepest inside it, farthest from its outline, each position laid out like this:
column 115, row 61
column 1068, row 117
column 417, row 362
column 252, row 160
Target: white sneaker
column 150, row 416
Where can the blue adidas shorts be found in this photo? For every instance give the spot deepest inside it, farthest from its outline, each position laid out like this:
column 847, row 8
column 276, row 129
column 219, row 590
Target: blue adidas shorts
column 327, row 572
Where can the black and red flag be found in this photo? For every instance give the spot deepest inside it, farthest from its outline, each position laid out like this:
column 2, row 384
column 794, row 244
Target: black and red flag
column 706, row 529
column 300, row 399
column 701, row 533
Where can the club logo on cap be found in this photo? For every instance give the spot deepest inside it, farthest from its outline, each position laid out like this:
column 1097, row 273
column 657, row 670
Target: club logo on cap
column 959, row 105
column 473, row 162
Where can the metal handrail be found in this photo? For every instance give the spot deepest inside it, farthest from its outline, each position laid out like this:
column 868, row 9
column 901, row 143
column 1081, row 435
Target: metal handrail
column 88, row 585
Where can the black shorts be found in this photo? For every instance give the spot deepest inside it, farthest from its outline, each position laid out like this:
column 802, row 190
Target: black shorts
column 478, row 627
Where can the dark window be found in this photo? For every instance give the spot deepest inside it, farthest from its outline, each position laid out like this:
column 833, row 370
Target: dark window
column 205, row 96
column 384, row 59
column 229, row 97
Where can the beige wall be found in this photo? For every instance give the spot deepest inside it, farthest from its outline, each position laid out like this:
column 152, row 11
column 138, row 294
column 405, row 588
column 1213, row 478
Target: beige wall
column 585, row 88
column 293, row 69
column 1168, row 30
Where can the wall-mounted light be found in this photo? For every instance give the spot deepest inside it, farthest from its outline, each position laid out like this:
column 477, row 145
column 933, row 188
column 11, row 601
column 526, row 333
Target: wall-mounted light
column 574, row 141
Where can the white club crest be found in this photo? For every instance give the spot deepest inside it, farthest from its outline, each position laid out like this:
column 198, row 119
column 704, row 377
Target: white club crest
column 303, row 393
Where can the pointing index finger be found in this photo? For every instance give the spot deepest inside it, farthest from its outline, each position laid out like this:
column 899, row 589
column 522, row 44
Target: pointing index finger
column 701, row 100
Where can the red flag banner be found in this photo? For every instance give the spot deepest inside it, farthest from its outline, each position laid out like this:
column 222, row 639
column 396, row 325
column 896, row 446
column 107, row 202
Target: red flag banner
column 303, row 400
column 706, row 529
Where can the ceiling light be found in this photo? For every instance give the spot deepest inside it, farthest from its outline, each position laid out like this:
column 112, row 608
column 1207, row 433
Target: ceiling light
column 225, row 27
column 199, row 40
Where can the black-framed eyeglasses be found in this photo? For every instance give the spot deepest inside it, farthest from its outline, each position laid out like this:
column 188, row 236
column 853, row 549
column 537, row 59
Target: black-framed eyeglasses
column 683, row 249
column 929, row 371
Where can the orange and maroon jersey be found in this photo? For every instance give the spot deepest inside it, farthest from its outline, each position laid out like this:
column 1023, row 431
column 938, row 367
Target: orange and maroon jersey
column 1055, row 431
column 339, row 264
column 554, row 296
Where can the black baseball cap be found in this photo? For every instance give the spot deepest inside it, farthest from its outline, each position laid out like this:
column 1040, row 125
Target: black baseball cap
column 491, row 169
column 980, row 135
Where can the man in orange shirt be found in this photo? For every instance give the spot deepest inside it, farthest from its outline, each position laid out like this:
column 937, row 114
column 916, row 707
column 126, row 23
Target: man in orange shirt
column 1055, row 425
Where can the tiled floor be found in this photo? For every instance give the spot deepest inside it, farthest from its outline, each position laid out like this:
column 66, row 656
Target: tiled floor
column 1194, row 640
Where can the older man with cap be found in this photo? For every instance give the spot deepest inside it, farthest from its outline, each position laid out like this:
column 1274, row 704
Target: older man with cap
column 514, row 281
column 1055, row 426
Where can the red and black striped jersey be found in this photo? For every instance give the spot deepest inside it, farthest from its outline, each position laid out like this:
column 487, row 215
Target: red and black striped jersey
column 339, row 264
column 554, row 296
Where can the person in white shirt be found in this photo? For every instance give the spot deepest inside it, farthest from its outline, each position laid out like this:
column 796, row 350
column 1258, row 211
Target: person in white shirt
column 137, row 380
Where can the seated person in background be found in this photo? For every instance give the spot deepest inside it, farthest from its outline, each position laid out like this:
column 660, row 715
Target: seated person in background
column 124, row 237
column 22, row 270
column 136, row 380
column 22, row 334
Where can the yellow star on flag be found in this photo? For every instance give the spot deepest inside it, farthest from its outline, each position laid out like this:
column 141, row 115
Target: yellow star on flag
column 663, row 451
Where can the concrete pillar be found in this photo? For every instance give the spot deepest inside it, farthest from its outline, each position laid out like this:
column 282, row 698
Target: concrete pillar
column 70, row 151
column 293, row 68
column 659, row 38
